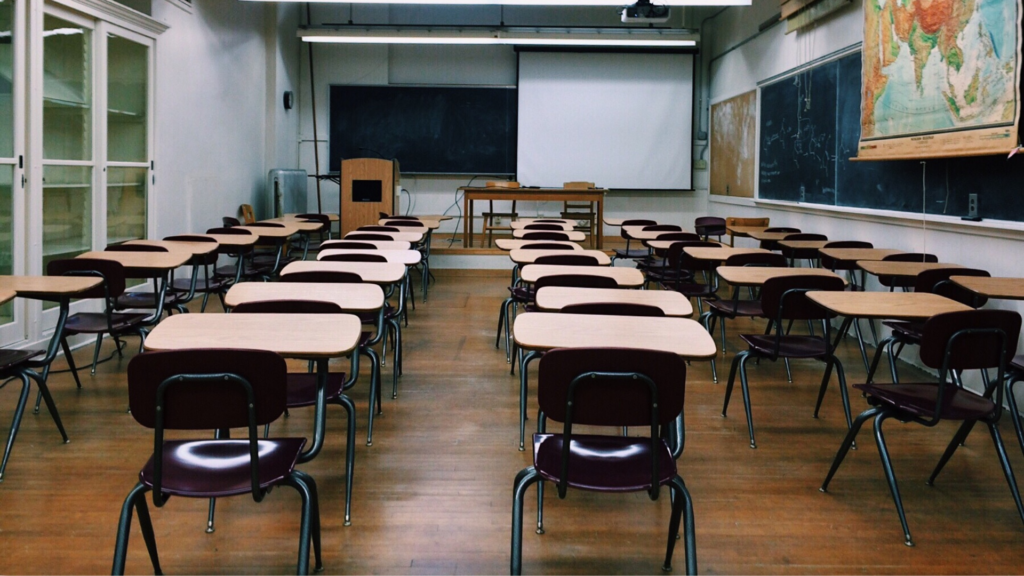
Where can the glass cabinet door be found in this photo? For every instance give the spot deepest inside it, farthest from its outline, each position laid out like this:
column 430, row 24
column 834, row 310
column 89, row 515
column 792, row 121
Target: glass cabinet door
column 7, row 155
column 127, row 138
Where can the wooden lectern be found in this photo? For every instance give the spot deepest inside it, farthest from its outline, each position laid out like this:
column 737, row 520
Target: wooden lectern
column 367, row 188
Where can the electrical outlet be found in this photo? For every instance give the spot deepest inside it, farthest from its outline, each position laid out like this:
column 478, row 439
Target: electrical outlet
column 498, row 221
column 700, row 165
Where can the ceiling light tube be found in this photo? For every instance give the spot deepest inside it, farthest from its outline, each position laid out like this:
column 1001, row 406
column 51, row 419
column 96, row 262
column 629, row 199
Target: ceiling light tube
column 537, row 37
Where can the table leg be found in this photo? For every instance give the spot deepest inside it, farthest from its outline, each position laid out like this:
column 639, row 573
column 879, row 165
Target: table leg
column 320, row 416
column 600, row 222
column 467, row 221
column 523, row 380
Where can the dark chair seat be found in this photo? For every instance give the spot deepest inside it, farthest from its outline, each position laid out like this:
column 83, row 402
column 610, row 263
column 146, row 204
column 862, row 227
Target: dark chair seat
column 620, row 253
column 602, row 463
column 690, row 289
column 216, row 468
column 147, row 299
column 910, row 332
column 12, row 358
column 789, row 346
column 302, row 388
column 522, row 293
column 96, row 322
column 214, row 284
column 919, row 399
column 732, row 308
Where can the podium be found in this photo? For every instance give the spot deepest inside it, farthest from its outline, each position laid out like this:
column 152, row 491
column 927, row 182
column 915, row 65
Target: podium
column 368, row 187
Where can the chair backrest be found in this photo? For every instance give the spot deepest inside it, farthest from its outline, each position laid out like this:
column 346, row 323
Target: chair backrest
column 977, row 344
column 784, row 298
column 112, row 273
column 911, row 257
column 228, row 230
column 376, row 228
column 612, row 387
column 734, row 221
column 770, row 259
column 937, row 281
column 782, row 229
column 266, row 224
column 353, row 258
column 544, row 246
column 384, row 216
column 366, row 236
column 548, row 221
column 232, row 250
column 662, row 228
column 849, row 244
column 323, row 219
column 575, row 281
column 229, row 221
column 679, row 259
column 247, row 214
column 709, row 226
column 134, row 248
column 613, row 309
column 287, row 307
column 198, row 259
column 545, row 235
column 568, row 260
column 542, row 226
column 324, row 276
column 402, row 222
column 347, row 245
column 680, row 236
column 634, row 222
column 213, row 403
column 806, row 236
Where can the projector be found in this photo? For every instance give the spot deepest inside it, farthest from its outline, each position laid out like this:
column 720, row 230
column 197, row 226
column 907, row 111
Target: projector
column 644, row 11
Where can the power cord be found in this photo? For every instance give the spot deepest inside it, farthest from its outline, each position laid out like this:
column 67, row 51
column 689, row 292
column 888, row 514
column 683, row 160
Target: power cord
column 107, row 359
column 458, row 204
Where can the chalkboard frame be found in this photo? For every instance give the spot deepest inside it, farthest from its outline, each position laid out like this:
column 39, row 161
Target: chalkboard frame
column 335, row 156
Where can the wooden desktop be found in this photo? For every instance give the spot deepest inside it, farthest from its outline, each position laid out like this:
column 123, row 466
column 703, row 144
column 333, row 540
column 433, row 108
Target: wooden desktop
column 470, row 195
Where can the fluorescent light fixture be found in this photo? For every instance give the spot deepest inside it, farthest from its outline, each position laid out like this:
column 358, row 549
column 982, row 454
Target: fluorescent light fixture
column 614, row 3
column 624, row 37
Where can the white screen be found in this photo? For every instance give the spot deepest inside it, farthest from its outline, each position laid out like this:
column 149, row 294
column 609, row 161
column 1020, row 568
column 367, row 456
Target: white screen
column 619, row 120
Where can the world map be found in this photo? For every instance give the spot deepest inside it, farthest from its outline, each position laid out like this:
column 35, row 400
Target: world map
column 933, row 66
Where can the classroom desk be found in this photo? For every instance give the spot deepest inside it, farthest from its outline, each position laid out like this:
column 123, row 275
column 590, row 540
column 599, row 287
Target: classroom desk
column 49, row 288
column 379, row 244
column 624, row 277
column 156, row 265
column 428, row 224
column 735, row 232
column 851, row 255
column 441, row 217
column 192, row 248
column 638, row 232
column 536, row 332
column 996, row 288
column 716, row 254
column 382, row 273
column 900, row 269
column 332, row 216
column 356, row 297
column 233, row 240
column 613, row 221
column 530, row 256
column 318, row 337
column 554, row 298
column 752, row 276
column 407, row 257
column 572, row 235
column 274, row 232
column 301, row 225
column 546, row 220
column 411, row 237
column 508, row 244
column 522, row 224
column 471, row 195
column 911, row 306
column 769, row 236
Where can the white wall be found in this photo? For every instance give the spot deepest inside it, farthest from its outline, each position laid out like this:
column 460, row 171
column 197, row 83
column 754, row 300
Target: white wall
column 337, row 64
column 212, row 110
column 989, row 245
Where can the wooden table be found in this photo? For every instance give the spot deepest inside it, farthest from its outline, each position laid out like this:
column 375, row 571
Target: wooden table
column 572, row 235
column 536, row 332
column 383, row 273
column 546, row 220
column 638, row 232
column 412, row 237
column 522, row 224
column 350, row 297
column 769, row 236
column 804, row 244
column 720, row 254
column 554, row 298
column 299, row 224
column 332, row 216
column 854, row 254
column 192, row 248
column 900, row 269
column 471, row 195
column 624, row 277
column 735, row 232
column 515, row 244
column 233, row 240
column 318, row 337
column 758, row 275
column 147, row 264
column 380, row 244
column 521, row 256
column 998, row 288
column 6, row 295
column 429, row 224
column 285, row 230
column 406, row 257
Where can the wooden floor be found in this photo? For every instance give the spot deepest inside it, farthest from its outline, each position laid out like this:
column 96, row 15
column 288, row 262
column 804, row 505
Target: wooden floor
column 433, row 494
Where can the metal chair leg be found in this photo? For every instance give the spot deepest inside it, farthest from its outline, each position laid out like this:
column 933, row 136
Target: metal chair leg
column 682, row 504
column 890, row 476
column 96, row 353
column 44, row 392
column 350, row 454
column 523, row 480
column 958, row 438
column 71, row 360
column 1015, row 412
column 1007, row 471
column 136, row 499
column 848, row 441
column 16, row 423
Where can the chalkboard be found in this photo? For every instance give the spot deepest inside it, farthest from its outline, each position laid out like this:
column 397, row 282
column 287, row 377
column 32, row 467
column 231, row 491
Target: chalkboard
column 428, row 129
column 799, row 122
